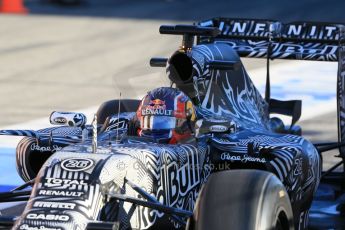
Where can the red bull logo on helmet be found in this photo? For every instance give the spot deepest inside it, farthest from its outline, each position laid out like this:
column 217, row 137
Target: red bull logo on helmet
column 156, row 107
column 157, row 103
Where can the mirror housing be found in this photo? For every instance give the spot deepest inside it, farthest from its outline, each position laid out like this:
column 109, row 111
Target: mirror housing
column 67, row 118
column 207, row 125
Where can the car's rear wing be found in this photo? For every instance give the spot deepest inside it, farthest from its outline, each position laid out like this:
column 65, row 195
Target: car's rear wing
column 271, row 39
column 297, row 40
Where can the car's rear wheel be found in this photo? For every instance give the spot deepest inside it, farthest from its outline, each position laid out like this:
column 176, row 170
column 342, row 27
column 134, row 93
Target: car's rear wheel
column 111, row 107
column 242, row 200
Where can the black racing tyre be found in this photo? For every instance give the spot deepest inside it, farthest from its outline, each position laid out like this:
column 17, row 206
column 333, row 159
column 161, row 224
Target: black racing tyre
column 29, row 160
column 111, row 107
column 242, row 200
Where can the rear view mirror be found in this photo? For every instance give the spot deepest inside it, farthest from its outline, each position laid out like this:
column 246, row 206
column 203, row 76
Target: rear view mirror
column 67, row 118
column 205, row 126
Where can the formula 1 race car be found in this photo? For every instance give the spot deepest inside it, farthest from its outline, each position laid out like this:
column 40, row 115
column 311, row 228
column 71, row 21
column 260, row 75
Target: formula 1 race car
column 243, row 169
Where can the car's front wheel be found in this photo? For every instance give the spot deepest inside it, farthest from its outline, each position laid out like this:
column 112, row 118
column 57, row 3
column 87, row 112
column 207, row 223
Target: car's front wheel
column 242, row 200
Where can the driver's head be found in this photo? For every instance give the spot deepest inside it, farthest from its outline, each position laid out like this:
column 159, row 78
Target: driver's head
column 167, row 115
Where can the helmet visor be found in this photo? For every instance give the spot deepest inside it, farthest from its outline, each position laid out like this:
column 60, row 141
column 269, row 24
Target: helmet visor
column 158, row 123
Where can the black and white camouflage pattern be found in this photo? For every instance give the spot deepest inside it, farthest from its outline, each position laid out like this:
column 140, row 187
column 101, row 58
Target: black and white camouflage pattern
column 231, row 95
column 296, row 40
column 341, row 91
column 172, row 174
column 168, row 173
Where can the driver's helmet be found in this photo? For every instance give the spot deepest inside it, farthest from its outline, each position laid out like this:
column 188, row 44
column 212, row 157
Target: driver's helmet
column 166, row 115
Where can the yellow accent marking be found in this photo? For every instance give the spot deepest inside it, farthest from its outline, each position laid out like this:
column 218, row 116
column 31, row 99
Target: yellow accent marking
column 281, row 193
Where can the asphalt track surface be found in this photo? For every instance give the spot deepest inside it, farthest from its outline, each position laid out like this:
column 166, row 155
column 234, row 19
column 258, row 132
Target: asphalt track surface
column 67, row 59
